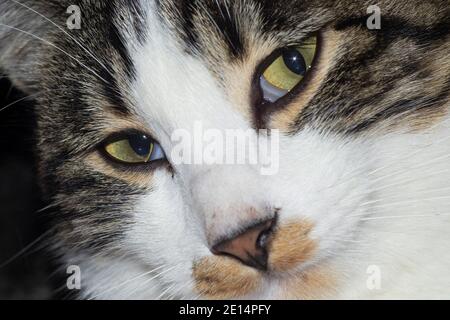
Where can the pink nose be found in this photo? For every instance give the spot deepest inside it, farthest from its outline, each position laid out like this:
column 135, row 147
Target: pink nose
column 250, row 246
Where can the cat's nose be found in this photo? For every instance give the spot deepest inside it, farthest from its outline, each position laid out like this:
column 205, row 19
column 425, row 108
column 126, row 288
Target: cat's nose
column 249, row 246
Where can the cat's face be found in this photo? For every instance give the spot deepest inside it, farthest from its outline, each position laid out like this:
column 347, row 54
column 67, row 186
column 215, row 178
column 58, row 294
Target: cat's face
column 348, row 132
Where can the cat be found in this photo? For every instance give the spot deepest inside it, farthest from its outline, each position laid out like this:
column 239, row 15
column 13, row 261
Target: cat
column 354, row 94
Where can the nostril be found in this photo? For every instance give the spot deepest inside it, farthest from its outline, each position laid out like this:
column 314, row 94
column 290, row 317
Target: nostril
column 263, row 238
column 249, row 246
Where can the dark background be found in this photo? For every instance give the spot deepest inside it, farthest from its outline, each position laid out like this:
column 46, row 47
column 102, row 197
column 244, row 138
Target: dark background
column 28, row 275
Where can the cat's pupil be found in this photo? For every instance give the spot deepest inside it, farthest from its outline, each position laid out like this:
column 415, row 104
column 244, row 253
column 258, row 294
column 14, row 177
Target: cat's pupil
column 295, row 61
column 140, row 143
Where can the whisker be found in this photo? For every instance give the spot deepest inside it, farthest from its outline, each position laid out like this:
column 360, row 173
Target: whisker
column 175, row 292
column 422, row 164
column 412, row 193
column 50, row 206
column 56, row 47
column 126, row 282
column 408, row 216
column 395, row 184
column 417, row 151
column 165, row 291
column 134, row 279
column 66, row 33
column 20, row 100
column 25, row 249
column 405, row 202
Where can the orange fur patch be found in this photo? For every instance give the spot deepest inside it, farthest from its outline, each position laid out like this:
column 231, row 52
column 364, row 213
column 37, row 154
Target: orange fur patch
column 291, row 246
column 220, row 277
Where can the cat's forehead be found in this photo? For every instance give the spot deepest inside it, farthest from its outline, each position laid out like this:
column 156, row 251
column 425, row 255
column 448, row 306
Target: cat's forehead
column 205, row 50
column 207, row 27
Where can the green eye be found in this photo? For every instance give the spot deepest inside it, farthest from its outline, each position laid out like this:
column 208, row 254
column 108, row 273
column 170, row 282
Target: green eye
column 135, row 149
column 288, row 70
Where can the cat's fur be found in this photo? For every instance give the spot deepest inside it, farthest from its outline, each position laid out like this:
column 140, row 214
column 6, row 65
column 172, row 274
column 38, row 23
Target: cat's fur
column 364, row 154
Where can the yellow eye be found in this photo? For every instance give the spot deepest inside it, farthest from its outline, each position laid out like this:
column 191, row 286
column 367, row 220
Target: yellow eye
column 288, row 70
column 134, row 149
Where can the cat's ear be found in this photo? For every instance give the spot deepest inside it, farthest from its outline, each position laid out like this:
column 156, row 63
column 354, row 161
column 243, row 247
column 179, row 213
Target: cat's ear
column 24, row 30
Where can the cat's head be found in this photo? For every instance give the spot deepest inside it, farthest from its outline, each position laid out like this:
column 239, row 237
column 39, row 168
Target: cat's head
column 340, row 97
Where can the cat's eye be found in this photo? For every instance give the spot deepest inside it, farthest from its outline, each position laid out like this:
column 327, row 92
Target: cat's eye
column 134, row 148
column 287, row 70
